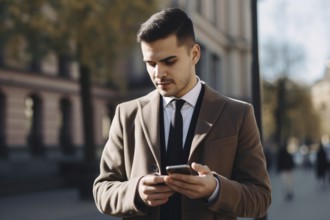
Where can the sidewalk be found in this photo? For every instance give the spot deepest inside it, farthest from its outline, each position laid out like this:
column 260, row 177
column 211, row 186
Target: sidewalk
column 310, row 203
column 63, row 204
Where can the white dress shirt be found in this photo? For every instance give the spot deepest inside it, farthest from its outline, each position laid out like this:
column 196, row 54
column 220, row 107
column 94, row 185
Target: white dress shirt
column 187, row 110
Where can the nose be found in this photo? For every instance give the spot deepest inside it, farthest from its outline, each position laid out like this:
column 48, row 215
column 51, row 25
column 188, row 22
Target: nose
column 160, row 71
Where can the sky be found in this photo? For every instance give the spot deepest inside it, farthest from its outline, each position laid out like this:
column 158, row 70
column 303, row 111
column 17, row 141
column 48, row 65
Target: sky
column 302, row 22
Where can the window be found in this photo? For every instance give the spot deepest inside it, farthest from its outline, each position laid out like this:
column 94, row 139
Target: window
column 33, row 113
column 201, row 63
column 215, row 9
column 3, row 147
column 65, row 133
column 199, row 7
column 215, row 73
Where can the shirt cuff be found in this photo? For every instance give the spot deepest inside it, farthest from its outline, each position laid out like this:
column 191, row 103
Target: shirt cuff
column 216, row 192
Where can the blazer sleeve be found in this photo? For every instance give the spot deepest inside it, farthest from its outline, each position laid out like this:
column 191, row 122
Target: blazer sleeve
column 114, row 193
column 248, row 192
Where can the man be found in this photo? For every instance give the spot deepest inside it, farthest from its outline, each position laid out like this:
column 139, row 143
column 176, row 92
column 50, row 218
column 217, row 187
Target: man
column 220, row 140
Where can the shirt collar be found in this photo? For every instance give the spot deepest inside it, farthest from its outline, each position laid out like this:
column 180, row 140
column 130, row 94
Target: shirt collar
column 190, row 97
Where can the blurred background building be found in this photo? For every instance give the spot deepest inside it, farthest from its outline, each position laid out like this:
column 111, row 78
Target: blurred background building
column 320, row 95
column 65, row 65
column 41, row 95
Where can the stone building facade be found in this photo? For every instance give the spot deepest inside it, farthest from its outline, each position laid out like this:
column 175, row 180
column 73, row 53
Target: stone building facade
column 41, row 121
column 223, row 29
column 43, row 112
column 321, row 100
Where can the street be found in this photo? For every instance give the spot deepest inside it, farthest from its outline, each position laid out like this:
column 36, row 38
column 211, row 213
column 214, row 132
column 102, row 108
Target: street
column 311, row 201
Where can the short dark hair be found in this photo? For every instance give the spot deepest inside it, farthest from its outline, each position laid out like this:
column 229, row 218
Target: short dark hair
column 165, row 23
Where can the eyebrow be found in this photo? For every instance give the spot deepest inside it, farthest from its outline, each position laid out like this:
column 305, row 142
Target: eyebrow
column 167, row 59
column 163, row 60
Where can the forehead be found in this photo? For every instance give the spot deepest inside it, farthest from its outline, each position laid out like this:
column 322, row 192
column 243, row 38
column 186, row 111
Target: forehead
column 161, row 49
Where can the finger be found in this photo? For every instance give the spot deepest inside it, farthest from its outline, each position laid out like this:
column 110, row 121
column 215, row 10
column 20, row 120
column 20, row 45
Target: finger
column 156, row 189
column 201, row 169
column 159, row 196
column 156, row 202
column 188, row 190
column 153, row 180
column 179, row 186
column 156, row 199
column 183, row 178
column 202, row 187
column 179, row 181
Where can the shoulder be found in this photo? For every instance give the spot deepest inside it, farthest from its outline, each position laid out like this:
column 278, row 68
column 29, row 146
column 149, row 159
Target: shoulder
column 139, row 102
column 233, row 111
column 214, row 96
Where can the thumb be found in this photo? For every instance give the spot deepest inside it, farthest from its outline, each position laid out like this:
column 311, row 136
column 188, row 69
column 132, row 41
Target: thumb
column 201, row 169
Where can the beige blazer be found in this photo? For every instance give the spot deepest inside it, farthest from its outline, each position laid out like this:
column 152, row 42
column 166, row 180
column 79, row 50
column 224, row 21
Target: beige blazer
column 226, row 140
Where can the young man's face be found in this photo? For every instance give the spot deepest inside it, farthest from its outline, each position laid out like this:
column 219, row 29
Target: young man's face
column 171, row 67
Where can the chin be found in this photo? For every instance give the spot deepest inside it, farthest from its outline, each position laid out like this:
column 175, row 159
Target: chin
column 165, row 93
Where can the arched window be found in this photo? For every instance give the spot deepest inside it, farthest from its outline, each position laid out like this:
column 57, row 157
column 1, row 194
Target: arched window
column 65, row 134
column 33, row 113
column 64, row 66
column 215, row 72
column 3, row 145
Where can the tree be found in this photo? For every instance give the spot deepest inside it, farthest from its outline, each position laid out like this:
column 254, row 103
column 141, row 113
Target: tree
column 95, row 33
column 268, row 105
column 100, row 31
column 286, row 101
column 282, row 58
column 29, row 22
column 288, row 112
column 4, row 29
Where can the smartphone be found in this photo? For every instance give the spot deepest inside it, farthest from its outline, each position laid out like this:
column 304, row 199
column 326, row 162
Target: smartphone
column 182, row 169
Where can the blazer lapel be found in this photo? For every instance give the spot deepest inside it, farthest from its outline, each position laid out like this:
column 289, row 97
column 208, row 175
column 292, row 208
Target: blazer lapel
column 149, row 119
column 211, row 109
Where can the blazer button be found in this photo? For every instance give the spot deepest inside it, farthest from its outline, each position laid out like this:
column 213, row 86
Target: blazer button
column 155, row 168
column 130, row 213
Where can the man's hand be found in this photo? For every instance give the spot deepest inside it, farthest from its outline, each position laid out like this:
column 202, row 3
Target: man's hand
column 194, row 187
column 153, row 191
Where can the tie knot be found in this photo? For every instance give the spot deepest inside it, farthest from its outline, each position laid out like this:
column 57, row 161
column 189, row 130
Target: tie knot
column 178, row 104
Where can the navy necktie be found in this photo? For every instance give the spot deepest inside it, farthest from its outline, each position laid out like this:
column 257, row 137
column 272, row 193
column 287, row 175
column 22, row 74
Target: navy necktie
column 172, row 209
column 175, row 140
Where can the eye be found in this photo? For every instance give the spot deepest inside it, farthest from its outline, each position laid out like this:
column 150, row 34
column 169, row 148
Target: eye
column 152, row 64
column 170, row 62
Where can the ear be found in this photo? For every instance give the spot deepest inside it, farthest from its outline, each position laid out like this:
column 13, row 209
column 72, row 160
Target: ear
column 196, row 53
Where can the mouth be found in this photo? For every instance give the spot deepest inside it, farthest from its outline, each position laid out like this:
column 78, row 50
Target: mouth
column 164, row 83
